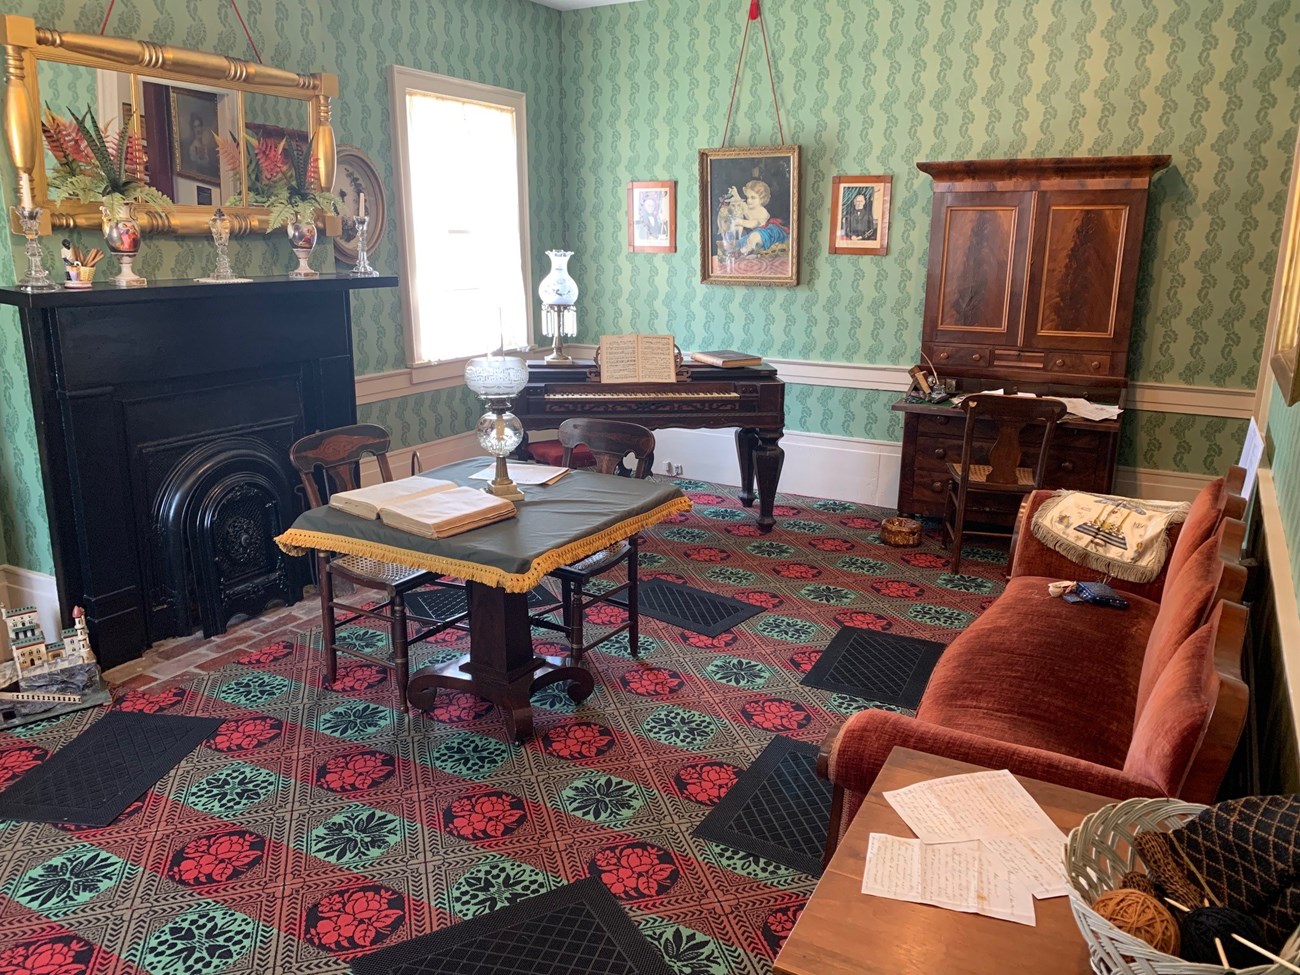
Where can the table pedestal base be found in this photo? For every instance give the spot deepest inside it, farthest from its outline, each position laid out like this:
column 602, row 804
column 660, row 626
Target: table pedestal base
column 501, row 665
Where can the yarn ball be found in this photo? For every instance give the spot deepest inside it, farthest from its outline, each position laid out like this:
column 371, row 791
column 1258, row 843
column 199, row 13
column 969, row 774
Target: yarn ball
column 1202, row 925
column 1142, row 916
column 1137, row 880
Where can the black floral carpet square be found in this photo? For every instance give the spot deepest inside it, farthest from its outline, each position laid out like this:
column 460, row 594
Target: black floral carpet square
column 885, row 668
column 692, row 609
column 104, row 769
column 316, row 825
column 576, row 930
column 778, row 809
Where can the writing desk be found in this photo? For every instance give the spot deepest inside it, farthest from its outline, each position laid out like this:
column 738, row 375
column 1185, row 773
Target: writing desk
column 843, row 931
column 556, row 524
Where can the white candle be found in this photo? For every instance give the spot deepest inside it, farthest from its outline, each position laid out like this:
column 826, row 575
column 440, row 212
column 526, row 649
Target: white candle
column 361, row 204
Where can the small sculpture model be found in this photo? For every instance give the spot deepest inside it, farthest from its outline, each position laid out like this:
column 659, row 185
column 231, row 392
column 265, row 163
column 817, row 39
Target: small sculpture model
column 46, row 674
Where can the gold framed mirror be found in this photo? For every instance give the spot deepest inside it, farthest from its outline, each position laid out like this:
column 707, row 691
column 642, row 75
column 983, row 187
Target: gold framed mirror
column 200, row 115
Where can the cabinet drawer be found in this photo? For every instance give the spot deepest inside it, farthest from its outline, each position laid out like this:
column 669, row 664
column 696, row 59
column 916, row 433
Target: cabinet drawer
column 961, row 355
column 1078, row 363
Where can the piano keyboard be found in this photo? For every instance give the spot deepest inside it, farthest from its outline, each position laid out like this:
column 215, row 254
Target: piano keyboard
column 642, row 395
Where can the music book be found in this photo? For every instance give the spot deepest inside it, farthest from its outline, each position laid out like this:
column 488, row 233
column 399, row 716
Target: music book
column 365, row 502
column 727, row 358
column 638, row 358
column 445, row 513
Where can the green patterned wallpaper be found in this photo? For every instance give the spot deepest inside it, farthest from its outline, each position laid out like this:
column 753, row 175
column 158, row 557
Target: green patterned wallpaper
column 512, row 43
column 418, row 419
column 871, row 88
column 1284, row 438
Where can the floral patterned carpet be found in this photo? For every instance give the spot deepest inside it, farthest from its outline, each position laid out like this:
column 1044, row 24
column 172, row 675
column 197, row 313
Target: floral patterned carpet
column 315, row 824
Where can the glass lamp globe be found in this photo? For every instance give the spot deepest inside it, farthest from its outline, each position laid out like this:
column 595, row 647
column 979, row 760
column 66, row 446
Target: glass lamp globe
column 499, row 433
column 497, row 379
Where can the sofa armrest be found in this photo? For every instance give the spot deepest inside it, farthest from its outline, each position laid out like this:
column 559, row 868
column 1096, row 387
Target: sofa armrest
column 858, row 751
column 1032, row 558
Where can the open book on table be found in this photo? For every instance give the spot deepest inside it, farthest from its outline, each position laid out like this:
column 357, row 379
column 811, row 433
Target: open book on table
column 424, row 506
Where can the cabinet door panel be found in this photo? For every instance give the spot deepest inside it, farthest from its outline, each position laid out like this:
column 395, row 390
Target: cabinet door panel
column 1083, row 270
column 978, row 253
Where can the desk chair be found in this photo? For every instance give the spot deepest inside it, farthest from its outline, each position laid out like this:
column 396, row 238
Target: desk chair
column 332, row 459
column 1020, row 420
column 610, row 442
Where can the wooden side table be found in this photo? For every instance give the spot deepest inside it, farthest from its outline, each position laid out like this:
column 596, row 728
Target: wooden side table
column 843, row 931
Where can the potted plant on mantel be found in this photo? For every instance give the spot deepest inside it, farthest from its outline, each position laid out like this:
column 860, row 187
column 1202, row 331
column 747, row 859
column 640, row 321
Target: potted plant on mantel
column 295, row 197
column 96, row 165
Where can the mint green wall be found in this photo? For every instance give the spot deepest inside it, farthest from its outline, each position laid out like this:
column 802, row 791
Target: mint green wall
column 1284, row 439
column 868, row 87
column 512, row 43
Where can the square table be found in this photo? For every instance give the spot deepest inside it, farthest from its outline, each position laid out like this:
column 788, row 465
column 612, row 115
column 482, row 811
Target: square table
column 555, row 525
column 843, row 931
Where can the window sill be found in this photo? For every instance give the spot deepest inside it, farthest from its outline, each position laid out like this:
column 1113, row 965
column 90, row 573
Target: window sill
column 423, row 377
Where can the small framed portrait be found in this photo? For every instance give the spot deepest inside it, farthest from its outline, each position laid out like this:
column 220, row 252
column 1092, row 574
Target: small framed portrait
column 749, row 215
column 860, row 214
column 194, row 139
column 652, row 217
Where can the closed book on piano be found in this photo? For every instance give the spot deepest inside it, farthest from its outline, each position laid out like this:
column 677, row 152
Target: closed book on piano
column 365, row 502
column 727, row 358
column 445, row 513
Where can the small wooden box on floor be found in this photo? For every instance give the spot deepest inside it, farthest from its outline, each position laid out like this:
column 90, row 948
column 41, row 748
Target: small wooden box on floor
column 843, row 931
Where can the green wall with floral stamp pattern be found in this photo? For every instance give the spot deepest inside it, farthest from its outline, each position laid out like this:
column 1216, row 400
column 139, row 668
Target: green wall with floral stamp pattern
column 511, row 43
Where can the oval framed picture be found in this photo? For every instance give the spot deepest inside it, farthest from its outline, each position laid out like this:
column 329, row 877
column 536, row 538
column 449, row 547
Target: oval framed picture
column 357, row 183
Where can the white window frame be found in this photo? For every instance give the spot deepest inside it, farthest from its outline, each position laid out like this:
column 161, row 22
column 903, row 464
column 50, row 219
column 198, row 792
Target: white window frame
column 424, row 373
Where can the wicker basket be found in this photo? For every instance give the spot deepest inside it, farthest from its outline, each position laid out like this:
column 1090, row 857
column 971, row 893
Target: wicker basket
column 1100, row 851
column 900, row 532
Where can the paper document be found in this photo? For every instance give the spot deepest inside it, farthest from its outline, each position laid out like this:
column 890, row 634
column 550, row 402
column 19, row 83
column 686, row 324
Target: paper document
column 1088, row 410
column 956, row 876
column 522, row 473
column 1037, row 859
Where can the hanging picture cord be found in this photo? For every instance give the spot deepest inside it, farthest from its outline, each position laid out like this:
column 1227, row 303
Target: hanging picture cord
column 755, row 13
column 103, row 26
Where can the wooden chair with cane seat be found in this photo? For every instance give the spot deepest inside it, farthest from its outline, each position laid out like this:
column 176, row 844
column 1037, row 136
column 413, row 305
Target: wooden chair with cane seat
column 331, row 460
column 610, row 442
column 1019, row 420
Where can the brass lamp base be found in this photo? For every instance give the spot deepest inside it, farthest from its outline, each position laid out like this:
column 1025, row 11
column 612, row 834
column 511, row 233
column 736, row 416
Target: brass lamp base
column 503, row 486
column 558, row 359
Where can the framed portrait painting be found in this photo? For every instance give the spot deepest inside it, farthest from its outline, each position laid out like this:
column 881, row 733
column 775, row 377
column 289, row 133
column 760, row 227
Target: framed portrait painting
column 194, row 140
column 749, row 215
column 652, row 217
column 860, row 214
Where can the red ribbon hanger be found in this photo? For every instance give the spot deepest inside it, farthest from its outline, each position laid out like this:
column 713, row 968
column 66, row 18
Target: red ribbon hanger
column 755, row 13
column 103, row 26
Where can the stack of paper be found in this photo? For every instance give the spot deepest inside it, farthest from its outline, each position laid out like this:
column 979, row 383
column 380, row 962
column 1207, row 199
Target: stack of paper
column 365, row 502
column 445, row 513
column 984, row 847
column 524, row 473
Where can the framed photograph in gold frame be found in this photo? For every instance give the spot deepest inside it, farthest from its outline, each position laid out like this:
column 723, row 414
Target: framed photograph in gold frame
column 860, row 215
column 652, row 217
column 194, row 140
column 749, row 215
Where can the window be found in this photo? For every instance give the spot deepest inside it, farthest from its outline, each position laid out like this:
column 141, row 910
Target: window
column 462, row 169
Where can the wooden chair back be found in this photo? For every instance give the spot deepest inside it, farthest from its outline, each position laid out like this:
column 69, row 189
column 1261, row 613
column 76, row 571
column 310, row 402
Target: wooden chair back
column 609, row 442
column 1012, row 415
column 332, row 459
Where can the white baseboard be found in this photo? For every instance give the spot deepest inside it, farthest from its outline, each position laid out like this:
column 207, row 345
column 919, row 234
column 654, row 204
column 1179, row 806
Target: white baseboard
column 23, row 587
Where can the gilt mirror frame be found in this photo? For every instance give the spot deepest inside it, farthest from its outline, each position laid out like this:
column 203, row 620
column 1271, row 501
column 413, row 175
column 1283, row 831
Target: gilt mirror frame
column 25, row 45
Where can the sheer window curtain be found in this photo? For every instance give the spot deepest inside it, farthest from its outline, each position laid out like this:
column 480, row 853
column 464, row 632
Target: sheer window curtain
column 464, row 176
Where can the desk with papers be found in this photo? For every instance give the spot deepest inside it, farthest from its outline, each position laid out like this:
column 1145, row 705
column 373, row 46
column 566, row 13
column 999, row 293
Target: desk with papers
column 556, row 524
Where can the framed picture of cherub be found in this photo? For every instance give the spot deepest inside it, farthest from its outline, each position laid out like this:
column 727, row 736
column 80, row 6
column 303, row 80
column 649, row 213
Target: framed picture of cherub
column 860, row 214
column 652, row 217
column 749, row 215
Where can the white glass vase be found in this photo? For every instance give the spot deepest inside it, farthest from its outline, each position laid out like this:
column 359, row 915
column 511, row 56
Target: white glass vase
column 557, row 288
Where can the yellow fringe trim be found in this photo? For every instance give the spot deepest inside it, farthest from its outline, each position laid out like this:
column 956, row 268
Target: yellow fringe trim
column 298, row 542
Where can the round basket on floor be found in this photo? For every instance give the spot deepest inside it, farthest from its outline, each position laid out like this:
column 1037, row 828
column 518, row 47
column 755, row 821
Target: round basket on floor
column 1098, row 853
column 901, row 532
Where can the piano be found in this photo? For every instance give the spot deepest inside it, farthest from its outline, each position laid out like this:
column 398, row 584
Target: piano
column 750, row 399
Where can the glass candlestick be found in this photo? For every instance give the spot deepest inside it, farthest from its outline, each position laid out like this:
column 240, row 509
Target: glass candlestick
column 36, row 278
column 223, row 273
column 363, row 268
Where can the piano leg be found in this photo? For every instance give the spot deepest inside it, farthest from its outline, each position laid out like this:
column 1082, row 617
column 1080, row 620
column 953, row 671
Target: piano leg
column 768, row 458
column 746, row 441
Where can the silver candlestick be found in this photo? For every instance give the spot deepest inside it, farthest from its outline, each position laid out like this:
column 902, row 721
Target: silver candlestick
column 37, row 278
column 363, row 268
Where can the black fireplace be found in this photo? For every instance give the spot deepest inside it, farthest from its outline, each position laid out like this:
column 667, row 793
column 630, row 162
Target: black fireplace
column 164, row 416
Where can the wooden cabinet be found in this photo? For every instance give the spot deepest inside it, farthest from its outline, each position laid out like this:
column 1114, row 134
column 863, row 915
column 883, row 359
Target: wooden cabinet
column 1031, row 283
column 1034, row 265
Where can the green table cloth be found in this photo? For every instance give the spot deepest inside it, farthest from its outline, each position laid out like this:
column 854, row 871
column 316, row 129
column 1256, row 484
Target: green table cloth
column 556, row 524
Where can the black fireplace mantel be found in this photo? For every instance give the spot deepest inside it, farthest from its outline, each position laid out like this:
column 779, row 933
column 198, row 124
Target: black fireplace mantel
column 127, row 382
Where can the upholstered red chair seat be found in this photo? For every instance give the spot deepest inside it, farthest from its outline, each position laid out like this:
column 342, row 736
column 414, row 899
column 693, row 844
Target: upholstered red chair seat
column 1036, row 670
column 552, row 452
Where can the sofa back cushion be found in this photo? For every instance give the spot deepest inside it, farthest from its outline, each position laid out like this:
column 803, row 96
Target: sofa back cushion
column 1188, row 598
column 1170, row 728
column 1200, row 524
